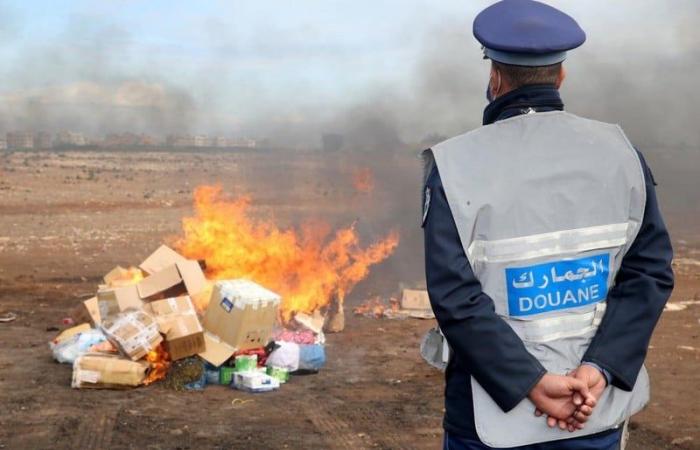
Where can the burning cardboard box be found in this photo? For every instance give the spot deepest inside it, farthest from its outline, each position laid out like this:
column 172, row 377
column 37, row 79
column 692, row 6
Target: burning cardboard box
column 102, row 371
column 134, row 333
column 240, row 316
column 169, row 274
column 177, row 320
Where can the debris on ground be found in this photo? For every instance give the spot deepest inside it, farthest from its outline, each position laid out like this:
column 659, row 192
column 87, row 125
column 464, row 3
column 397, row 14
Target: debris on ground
column 414, row 303
column 163, row 321
column 8, row 317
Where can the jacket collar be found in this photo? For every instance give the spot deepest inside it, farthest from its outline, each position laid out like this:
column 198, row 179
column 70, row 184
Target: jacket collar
column 539, row 97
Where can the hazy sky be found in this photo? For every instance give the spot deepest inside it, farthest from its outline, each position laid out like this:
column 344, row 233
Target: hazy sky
column 267, row 66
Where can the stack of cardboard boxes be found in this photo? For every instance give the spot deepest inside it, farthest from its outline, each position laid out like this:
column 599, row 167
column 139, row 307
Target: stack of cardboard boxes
column 138, row 308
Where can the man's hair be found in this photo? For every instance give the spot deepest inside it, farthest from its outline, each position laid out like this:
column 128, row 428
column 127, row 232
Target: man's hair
column 518, row 76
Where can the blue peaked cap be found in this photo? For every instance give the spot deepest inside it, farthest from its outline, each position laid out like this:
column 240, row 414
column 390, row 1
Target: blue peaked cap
column 526, row 33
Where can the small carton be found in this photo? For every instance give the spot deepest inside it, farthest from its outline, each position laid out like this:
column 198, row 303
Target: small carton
column 87, row 311
column 185, row 337
column 255, row 382
column 415, row 299
column 101, row 371
column 111, row 301
column 416, row 303
column 177, row 319
column 133, row 332
column 168, row 310
column 240, row 316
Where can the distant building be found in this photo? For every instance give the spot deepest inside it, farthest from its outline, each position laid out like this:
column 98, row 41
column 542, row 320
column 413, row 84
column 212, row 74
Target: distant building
column 128, row 140
column 43, row 140
column 174, row 140
column 246, row 143
column 201, row 140
column 222, row 142
column 70, row 139
column 20, row 140
column 332, row 142
column 3, row 143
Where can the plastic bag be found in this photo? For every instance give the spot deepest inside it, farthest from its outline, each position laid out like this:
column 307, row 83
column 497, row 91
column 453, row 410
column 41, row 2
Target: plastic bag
column 286, row 356
column 69, row 350
column 311, row 357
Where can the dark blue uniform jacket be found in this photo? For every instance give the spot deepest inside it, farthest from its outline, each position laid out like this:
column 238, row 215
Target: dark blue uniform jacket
column 486, row 347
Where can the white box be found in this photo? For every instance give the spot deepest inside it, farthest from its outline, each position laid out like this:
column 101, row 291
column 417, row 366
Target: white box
column 255, row 382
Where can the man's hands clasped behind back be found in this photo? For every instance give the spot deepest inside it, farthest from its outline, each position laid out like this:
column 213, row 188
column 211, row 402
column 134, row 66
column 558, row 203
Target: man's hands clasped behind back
column 568, row 401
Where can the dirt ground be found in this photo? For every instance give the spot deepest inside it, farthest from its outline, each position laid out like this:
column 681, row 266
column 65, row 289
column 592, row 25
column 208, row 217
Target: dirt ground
column 66, row 219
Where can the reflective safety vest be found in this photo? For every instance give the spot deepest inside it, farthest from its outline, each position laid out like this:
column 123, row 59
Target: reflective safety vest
column 546, row 206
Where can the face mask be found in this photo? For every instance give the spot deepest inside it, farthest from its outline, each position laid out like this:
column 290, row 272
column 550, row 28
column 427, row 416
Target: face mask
column 489, row 97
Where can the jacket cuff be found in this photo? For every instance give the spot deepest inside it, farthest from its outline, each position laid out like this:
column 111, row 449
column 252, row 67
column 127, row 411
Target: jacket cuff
column 617, row 379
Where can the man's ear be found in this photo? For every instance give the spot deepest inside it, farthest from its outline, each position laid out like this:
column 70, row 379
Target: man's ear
column 561, row 77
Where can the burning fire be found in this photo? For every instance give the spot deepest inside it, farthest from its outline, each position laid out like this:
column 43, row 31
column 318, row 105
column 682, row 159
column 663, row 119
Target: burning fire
column 377, row 308
column 363, row 180
column 159, row 360
column 307, row 267
column 126, row 277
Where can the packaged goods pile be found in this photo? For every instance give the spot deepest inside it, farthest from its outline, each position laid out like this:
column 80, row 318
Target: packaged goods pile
column 144, row 325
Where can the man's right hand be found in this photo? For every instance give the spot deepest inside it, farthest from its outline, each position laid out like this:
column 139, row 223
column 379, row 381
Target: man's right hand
column 554, row 396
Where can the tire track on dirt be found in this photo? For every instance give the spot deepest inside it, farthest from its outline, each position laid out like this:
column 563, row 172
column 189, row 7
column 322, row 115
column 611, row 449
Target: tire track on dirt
column 95, row 431
column 358, row 431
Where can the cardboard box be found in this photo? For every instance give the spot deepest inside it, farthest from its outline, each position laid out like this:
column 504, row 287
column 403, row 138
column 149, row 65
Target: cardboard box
column 100, row 371
column 177, row 319
column 167, row 310
column 255, row 382
column 112, row 301
column 416, row 303
column 184, row 277
column 163, row 257
column 240, row 316
column 185, row 337
column 415, row 299
column 87, row 311
column 134, row 333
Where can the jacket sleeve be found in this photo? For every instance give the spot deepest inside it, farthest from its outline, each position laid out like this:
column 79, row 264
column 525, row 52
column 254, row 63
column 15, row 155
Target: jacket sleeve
column 482, row 342
column 634, row 305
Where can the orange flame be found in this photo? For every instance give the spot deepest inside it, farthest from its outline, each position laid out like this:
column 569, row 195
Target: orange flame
column 377, row 308
column 307, row 268
column 126, row 277
column 363, row 180
column 159, row 360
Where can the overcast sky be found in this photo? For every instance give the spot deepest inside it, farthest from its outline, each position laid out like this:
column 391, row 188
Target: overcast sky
column 257, row 67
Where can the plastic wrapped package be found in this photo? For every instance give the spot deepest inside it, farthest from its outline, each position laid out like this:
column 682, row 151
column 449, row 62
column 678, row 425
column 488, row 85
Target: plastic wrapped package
column 133, row 332
column 68, row 350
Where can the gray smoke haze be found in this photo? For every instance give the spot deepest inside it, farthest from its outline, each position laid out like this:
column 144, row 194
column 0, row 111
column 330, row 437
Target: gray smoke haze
column 639, row 68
